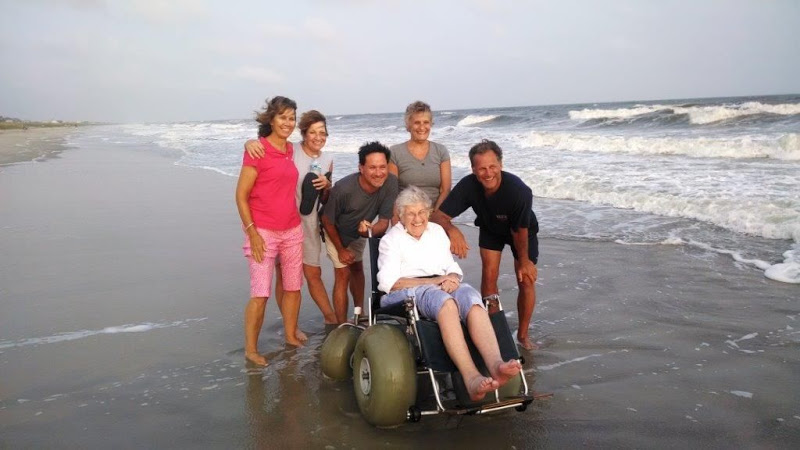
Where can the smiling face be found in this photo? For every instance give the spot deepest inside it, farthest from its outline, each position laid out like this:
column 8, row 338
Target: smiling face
column 283, row 123
column 415, row 219
column 487, row 168
column 419, row 125
column 374, row 171
column 316, row 136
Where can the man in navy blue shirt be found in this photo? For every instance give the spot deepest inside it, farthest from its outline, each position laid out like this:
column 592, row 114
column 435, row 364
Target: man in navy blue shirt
column 502, row 203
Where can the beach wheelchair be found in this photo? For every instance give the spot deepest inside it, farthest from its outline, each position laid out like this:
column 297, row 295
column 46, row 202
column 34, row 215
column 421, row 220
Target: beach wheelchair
column 400, row 368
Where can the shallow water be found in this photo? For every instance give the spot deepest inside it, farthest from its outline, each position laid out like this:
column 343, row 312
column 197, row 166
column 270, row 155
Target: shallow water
column 130, row 336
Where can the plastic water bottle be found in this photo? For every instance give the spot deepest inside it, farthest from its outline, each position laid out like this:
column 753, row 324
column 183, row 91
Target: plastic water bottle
column 316, row 167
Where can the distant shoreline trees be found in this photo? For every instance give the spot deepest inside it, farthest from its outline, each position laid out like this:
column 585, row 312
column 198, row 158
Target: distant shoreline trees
column 12, row 123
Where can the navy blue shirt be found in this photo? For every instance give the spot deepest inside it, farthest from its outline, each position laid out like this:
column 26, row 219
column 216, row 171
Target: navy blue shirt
column 510, row 207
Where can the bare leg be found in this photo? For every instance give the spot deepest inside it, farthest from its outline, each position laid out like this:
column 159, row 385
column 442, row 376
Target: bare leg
column 453, row 336
column 253, row 320
column 291, row 311
column 490, row 271
column 279, row 298
column 526, row 301
column 318, row 293
column 482, row 334
column 340, row 284
column 279, row 286
column 357, row 283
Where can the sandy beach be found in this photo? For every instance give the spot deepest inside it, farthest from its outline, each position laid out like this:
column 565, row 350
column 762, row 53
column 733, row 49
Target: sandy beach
column 122, row 288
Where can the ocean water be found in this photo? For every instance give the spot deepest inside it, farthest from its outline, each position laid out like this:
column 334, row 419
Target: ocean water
column 718, row 175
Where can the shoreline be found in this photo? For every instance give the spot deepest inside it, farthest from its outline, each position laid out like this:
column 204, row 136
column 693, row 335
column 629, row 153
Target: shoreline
column 33, row 144
column 121, row 310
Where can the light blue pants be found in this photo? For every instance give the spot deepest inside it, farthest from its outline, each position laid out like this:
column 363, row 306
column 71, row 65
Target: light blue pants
column 431, row 298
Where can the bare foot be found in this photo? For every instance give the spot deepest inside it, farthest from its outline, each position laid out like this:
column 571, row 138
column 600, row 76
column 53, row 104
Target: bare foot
column 295, row 342
column 300, row 336
column 506, row 371
column 479, row 386
column 256, row 358
column 526, row 343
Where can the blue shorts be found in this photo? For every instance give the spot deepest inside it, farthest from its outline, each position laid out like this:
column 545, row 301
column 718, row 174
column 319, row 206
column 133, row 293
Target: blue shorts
column 431, row 298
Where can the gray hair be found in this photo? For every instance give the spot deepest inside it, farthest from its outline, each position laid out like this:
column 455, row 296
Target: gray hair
column 417, row 107
column 411, row 196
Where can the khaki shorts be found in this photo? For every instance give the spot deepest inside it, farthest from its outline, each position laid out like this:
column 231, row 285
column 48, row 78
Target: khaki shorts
column 357, row 247
column 312, row 242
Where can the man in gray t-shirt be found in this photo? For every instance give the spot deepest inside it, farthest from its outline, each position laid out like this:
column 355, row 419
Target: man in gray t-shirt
column 353, row 204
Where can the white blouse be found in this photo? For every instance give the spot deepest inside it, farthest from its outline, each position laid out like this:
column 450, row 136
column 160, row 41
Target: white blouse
column 403, row 256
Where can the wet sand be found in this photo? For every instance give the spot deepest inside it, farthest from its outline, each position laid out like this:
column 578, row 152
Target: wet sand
column 32, row 144
column 122, row 287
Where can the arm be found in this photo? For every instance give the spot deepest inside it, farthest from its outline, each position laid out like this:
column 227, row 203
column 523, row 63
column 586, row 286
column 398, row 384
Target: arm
column 458, row 244
column 393, row 169
column 247, row 178
column 378, row 228
column 326, row 191
column 527, row 269
column 445, row 172
column 254, row 148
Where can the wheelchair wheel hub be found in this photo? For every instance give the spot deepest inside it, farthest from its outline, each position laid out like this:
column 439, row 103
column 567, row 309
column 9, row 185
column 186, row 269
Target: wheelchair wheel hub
column 365, row 377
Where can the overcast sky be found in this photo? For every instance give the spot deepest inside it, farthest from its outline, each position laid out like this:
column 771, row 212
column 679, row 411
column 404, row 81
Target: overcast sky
column 175, row 60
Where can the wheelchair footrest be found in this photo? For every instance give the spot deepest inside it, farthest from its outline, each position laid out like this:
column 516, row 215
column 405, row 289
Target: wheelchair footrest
column 520, row 403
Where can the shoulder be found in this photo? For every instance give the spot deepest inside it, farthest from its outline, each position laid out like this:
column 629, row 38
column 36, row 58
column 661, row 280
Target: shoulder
column 436, row 229
column 391, row 182
column 514, row 182
column 468, row 181
column 398, row 147
column 397, row 151
column 391, row 237
column 439, row 148
column 345, row 184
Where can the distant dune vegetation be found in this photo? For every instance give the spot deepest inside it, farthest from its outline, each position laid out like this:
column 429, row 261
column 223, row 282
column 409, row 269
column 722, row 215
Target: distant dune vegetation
column 11, row 123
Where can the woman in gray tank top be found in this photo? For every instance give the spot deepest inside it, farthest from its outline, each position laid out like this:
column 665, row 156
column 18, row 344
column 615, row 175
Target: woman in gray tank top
column 419, row 161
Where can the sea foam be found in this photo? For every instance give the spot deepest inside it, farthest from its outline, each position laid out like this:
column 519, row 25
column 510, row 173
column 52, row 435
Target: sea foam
column 784, row 147
column 73, row 335
column 698, row 115
column 474, row 119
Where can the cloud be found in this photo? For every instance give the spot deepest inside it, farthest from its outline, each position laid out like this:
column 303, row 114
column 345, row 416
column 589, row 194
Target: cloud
column 261, row 75
column 320, row 29
column 77, row 4
column 168, row 11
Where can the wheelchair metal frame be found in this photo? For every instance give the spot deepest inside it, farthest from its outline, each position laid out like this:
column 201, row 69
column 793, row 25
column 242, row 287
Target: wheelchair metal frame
column 410, row 322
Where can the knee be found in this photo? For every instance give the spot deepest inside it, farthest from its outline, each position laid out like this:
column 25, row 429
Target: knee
column 312, row 272
column 449, row 309
column 342, row 274
column 526, row 284
column 260, row 302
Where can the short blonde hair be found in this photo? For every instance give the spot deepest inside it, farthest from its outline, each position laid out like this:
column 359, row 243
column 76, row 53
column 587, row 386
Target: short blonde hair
column 417, row 107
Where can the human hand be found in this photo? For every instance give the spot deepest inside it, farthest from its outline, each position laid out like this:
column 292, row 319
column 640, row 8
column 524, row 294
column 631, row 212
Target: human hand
column 527, row 272
column 364, row 227
column 254, row 148
column 458, row 244
column 450, row 283
column 321, row 182
column 257, row 246
column 346, row 256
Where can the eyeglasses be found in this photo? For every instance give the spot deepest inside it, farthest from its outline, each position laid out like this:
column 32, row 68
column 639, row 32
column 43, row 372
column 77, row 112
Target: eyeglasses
column 422, row 213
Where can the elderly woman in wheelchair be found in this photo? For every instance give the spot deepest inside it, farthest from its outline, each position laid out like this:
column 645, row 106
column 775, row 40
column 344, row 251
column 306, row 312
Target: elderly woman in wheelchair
column 422, row 321
column 415, row 261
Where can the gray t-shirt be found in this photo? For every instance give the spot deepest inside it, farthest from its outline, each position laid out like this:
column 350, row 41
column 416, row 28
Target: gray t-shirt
column 422, row 173
column 348, row 205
